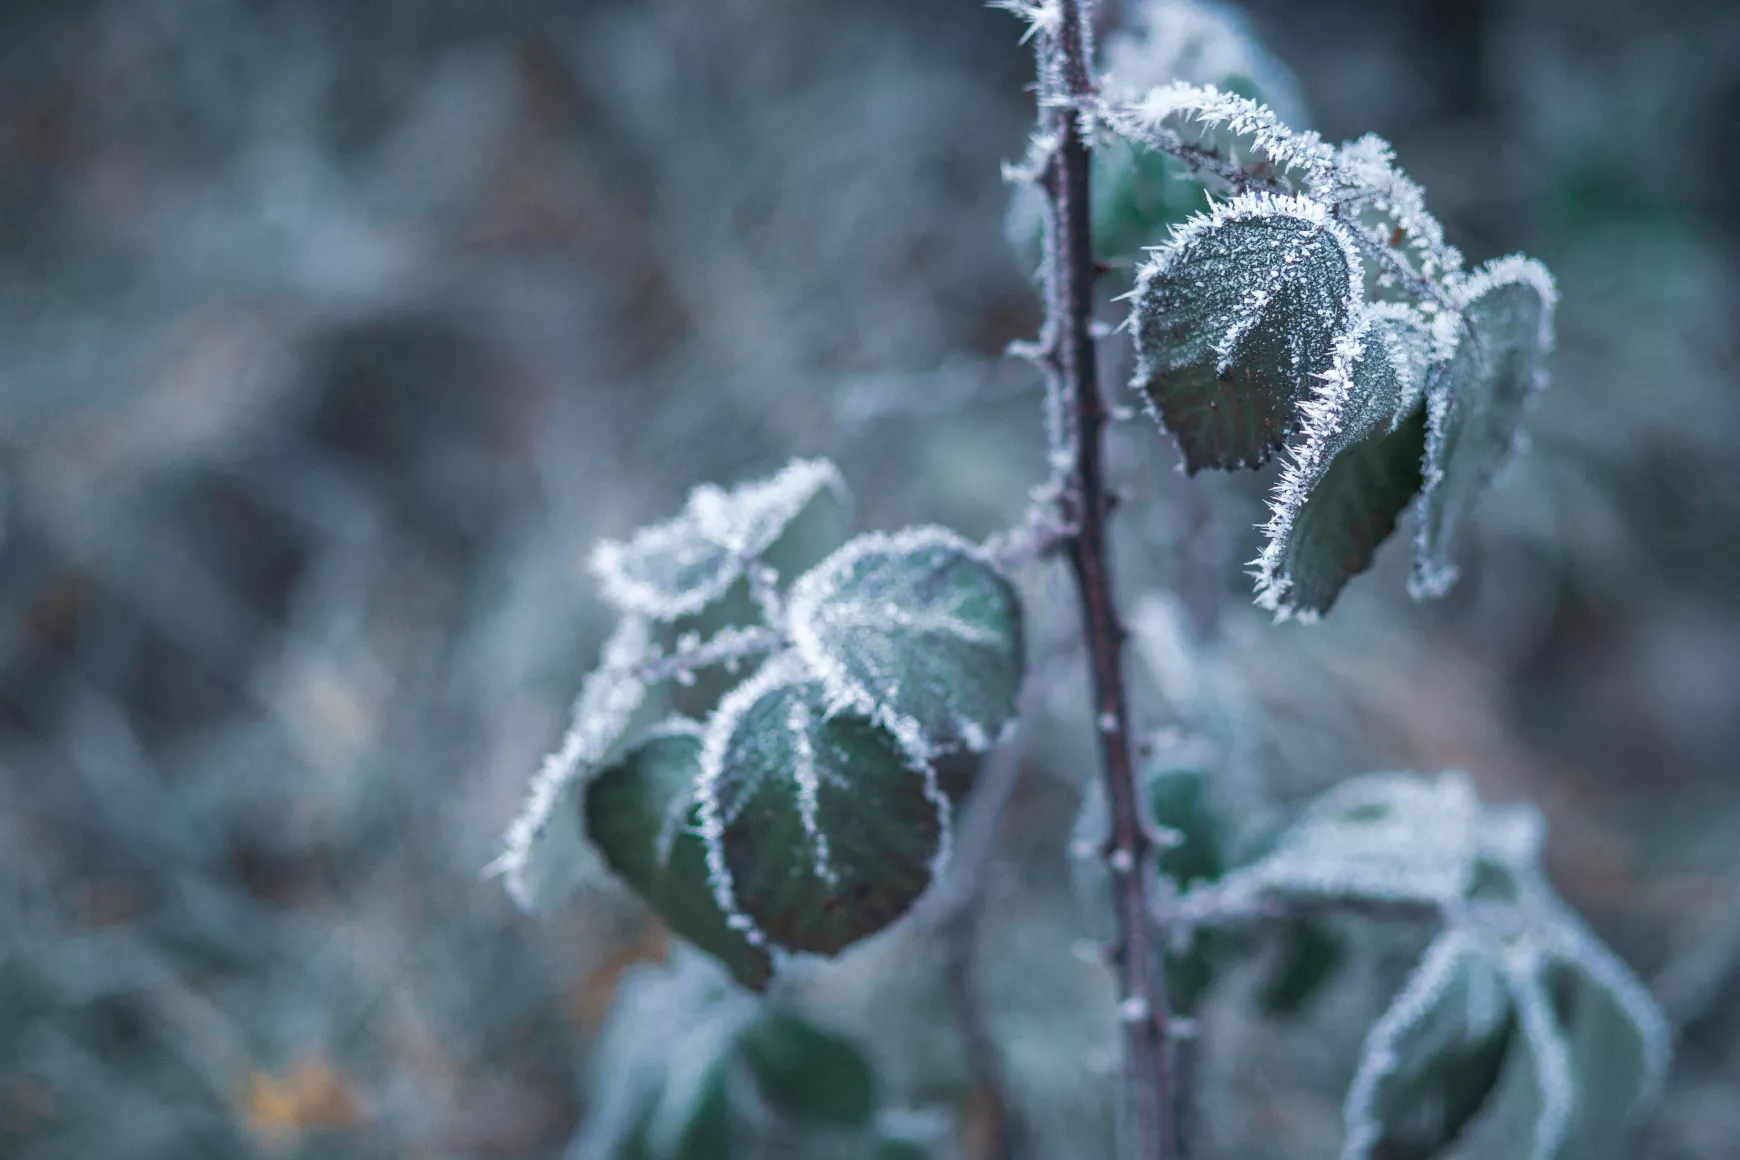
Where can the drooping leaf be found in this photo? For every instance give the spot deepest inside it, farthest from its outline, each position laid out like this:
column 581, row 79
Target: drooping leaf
column 820, row 828
column 1383, row 836
column 643, row 815
column 807, row 1073
column 1528, row 1116
column 678, row 567
column 1355, row 467
column 1476, row 402
column 918, row 632
column 1233, row 319
column 1432, row 1061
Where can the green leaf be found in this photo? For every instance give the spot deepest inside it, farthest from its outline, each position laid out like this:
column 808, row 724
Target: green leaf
column 1356, row 467
column 661, row 1069
column 643, row 815
column 917, row 631
column 678, row 567
column 1476, row 402
column 807, row 1073
column 1233, row 319
column 1309, row 957
column 1434, row 1058
column 1529, row 1113
column 1136, row 195
column 820, row 828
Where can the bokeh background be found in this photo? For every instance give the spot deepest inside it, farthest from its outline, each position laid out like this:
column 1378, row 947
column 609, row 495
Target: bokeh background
column 333, row 333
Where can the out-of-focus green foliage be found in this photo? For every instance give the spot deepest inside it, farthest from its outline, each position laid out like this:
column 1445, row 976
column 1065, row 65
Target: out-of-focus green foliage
column 332, row 335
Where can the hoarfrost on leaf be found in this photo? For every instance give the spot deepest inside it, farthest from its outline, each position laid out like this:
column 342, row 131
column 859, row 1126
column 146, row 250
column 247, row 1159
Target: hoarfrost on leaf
column 643, row 815
column 1355, row 467
column 678, row 567
column 820, row 827
column 1235, row 317
column 1476, row 401
column 1431, row 1061
column 544, row 853
column 917, row 631
column 1385, row 836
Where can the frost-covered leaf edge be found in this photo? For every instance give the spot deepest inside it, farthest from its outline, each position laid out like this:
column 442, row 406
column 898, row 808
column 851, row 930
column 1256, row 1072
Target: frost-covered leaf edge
column 1429, row 579
column 783, row 495
column 1305, row 461
column 607, row 700
column 811, row 590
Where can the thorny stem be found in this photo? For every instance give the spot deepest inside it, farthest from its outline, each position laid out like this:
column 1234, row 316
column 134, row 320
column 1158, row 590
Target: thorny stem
column 1066, row 353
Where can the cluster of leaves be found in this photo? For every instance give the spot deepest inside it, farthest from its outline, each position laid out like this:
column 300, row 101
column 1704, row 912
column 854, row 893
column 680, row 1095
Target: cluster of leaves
column 810, row 805
column 690, row 1065
column 1517, row 1035
column 1320, row 310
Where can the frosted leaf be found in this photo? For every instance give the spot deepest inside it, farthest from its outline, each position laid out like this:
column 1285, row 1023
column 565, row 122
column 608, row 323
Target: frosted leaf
column 1233, row 320
column 643, row 816
column 1387, row 836
column 676, row 568
column 1529, row 1114
column 917, row 631
column 807, row 1073
column 1476, row 401
column 1198, row 42
column 1229, row 127
column 1432, row 1060
column 1354, row 468
column 820, row 828
column 1390, row 208
column 660, row 1068
column 545, row 854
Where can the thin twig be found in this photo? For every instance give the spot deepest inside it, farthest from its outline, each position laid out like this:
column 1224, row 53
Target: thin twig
column 1066, row 353
column 728, row 647
column 955, row 913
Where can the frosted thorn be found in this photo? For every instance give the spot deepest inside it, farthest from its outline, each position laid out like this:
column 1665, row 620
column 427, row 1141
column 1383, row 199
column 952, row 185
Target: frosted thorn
column 1083, row 849
column 1135, row 1009
column 1121, row 861
column 1086, row 950
column 1108, row 722
column 1167, row 838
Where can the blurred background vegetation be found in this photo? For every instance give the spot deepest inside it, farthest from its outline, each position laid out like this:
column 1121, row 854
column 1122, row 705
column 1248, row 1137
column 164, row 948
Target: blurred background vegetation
column 333, row 334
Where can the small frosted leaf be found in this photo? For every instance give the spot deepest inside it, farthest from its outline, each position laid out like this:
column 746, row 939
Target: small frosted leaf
column 1434, row 1058
column 661, row 1066
column 1233, row 320
column 1354, row 469
column 545, row 855
column 820, row 828
column 916, row 631
column 1476, row 402
column 643, row 816
column 678, row 567
column 1386, row 836
column 807, row 1073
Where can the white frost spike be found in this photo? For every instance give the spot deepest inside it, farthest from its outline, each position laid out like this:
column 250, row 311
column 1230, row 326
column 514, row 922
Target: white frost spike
column 1167, row 105
column 1367, row 177
column 678, row 567
column 607, row 700
column 1337, row 415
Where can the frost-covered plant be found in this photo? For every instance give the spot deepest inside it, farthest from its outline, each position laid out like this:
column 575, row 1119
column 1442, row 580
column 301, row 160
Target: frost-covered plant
column 836, row 708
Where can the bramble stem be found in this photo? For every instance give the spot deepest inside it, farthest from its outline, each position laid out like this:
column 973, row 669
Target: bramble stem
column 1066, row 353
